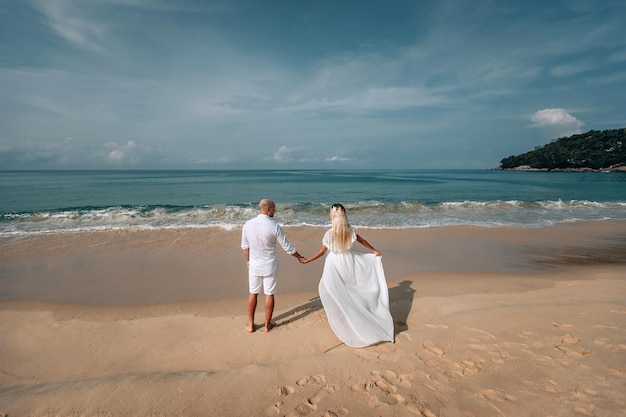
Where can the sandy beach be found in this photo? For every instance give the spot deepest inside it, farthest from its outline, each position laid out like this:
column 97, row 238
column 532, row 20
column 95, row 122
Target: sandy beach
column 489, row 322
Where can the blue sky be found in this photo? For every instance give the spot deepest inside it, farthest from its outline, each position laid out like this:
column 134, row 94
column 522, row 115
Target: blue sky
column 137, row 84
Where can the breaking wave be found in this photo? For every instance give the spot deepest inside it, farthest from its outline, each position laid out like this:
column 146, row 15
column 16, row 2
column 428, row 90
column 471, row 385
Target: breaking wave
column 373, row 214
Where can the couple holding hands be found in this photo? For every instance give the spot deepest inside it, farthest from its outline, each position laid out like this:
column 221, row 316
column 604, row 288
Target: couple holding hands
column 353, row 289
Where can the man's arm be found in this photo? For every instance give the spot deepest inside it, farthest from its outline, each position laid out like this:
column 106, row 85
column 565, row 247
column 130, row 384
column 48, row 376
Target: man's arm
column 287, row 246
column 245, row 245
column 246, row 254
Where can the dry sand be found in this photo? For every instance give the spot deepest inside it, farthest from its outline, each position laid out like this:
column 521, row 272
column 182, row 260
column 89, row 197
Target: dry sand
column 489, row 322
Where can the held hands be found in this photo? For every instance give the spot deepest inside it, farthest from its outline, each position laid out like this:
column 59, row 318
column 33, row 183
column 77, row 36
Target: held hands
column 304, row 260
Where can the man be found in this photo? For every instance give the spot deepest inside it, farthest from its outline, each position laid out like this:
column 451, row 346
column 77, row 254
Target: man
column 258, row 241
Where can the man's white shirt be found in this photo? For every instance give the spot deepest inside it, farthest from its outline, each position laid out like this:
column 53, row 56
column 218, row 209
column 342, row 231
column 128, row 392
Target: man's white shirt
column 260, row 235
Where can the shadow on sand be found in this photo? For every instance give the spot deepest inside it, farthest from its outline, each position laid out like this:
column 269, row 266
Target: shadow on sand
column 400, row 302
column 299, row 312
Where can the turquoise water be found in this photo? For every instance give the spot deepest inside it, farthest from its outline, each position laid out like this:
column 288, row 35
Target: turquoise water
column 34, row 202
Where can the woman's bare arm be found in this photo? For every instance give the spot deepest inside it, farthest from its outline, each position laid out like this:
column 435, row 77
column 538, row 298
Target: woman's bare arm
column 367, row 245
column 321, row 252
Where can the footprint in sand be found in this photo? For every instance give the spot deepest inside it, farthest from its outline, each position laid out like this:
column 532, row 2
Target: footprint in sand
column 283, row 391
column 322, row 393
column 585, row 410
column 609, row 344
column 383, row 388
column 575, row 351
column 394, row 378
column 390, row 389
column 382, row 392
column 314, row 379
column 273, row 410
column 420, row 410
column 492, row 395
column 393, row 356
column 430, row 347
column 469, row 367
column 311, row 403
column 495, row 395
column 549, row 386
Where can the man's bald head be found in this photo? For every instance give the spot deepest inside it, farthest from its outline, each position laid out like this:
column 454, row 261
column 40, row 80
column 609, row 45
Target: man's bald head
column 267, row 206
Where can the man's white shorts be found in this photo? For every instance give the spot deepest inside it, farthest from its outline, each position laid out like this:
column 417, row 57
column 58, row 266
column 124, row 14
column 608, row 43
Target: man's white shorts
column 266, row 282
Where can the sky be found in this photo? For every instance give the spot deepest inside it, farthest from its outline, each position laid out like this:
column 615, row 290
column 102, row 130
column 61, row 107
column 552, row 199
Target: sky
column 290, row 84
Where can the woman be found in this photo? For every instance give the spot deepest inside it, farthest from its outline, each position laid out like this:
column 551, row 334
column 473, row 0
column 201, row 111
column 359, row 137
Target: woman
column 353, row 289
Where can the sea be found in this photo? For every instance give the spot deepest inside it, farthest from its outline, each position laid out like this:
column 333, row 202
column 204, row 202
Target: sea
column 44, row 202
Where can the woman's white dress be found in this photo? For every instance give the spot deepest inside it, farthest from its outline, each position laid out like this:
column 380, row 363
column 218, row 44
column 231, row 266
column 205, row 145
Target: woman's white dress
column 354, row 293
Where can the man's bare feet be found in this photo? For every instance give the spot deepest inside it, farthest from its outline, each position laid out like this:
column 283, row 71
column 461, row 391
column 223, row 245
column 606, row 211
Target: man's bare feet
column 269, row 326
column 250, row 327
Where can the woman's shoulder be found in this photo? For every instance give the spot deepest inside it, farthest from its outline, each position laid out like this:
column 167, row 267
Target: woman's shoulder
column 328, row 238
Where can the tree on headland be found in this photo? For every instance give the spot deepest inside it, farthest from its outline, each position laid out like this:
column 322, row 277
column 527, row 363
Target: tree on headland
column 594, row 150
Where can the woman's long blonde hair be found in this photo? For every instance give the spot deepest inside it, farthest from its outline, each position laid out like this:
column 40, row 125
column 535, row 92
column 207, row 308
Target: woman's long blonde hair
column 342, row 231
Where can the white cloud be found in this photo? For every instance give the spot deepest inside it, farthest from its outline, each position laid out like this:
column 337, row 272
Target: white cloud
column 65, row 19
column 224, row 159
column 568, row 70
column 116, row 155
column 556, row 122
column 80, row 23
column 552, row 117
column 389, row 99
column 337, row 159
column 123, row 153
column 372, row 100
column 48, row 105
column 303, row 154
column 285, row 154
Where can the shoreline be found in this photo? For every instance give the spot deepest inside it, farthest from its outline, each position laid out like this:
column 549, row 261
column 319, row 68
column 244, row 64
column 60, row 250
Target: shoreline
column 527, row 168
column 196, row 265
